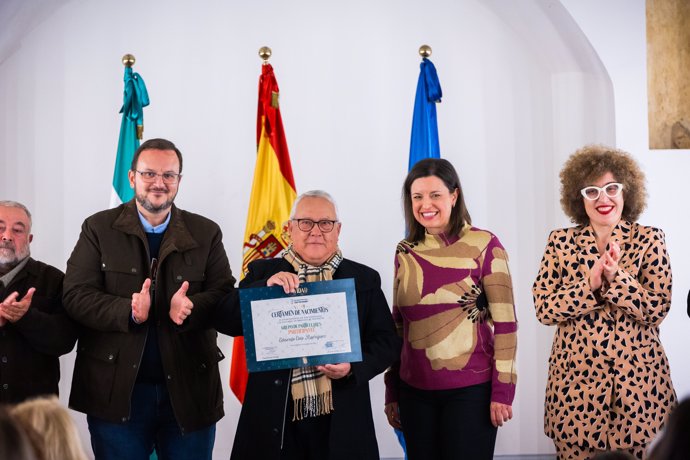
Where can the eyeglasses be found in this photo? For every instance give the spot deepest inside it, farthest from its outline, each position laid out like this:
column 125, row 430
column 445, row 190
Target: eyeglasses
column 150, row 176
column 325, row 225
column 593, row 192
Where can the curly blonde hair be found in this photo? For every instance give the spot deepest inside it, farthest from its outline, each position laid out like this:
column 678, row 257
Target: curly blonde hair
column 590, row 163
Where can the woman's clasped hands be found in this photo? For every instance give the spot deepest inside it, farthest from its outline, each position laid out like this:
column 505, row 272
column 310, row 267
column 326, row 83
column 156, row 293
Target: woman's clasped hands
column 606, row 267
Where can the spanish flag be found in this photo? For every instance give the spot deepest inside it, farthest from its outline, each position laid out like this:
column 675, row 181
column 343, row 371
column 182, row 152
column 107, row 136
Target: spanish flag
column 273, row 193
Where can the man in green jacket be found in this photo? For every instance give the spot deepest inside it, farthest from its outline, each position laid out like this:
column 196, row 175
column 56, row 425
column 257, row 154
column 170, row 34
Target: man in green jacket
column 143, row 281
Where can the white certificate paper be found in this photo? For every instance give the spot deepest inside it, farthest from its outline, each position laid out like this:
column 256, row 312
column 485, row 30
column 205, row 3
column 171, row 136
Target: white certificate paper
column 318, row 325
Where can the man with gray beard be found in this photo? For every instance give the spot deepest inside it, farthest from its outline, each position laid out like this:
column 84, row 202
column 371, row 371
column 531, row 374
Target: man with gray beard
column 143, row 280
column 34, row 329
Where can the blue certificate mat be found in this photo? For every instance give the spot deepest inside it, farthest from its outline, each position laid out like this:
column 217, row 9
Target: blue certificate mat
column 317, row 325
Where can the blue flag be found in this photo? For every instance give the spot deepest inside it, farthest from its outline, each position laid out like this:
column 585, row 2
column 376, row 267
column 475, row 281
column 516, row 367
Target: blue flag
column 424, row 140
column 135, row 99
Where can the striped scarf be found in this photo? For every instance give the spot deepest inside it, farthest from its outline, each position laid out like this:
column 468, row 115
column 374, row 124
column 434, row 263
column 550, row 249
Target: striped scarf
column 311, row 390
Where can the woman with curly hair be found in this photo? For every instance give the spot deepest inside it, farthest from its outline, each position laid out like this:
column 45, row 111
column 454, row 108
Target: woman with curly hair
column 606, row 286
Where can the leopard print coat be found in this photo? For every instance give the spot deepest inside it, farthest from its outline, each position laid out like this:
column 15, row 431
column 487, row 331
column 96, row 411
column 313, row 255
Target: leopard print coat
column 609, row 384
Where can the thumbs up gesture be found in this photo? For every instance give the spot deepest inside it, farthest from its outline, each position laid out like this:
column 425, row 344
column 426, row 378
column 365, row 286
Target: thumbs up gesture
column 141, row 303
column 180, row 305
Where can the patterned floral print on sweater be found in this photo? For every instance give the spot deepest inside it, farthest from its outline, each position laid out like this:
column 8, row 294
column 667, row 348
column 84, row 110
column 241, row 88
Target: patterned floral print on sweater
column 453, row 306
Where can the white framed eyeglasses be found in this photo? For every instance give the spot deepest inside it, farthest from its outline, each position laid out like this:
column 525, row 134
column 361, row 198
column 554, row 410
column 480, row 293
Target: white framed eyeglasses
column 592, row 192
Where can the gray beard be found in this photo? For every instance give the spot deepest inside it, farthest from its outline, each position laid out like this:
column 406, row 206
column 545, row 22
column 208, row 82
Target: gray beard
column 10, row 257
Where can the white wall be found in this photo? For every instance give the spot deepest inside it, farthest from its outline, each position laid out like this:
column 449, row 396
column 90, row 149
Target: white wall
column 522, row 89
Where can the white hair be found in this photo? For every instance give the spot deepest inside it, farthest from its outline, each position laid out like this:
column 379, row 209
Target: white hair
column 315, row 194
column 16, row 204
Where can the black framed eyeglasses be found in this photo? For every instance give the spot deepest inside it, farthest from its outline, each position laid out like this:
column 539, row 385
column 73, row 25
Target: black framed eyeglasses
column 150, row 176
column 593, row 192
column 325, row 225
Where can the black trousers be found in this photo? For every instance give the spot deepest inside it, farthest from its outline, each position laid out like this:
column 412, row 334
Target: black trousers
column 447, row 424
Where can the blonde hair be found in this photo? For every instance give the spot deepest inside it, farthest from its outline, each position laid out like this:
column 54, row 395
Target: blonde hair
column 59, row 435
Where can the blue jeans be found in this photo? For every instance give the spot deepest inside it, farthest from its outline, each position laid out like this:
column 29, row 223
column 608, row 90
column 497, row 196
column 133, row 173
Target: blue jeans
column 151, row 423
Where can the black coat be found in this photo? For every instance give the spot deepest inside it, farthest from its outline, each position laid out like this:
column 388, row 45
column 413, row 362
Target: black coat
column 260, row 428
column 29, row 348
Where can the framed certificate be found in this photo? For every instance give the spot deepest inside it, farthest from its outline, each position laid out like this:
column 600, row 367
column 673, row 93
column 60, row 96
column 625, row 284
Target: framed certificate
column 316, row 325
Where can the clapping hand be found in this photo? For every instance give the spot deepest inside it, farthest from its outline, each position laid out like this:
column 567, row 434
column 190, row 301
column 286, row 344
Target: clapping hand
column 595, row 275
column 13, row 310
column 610, row 261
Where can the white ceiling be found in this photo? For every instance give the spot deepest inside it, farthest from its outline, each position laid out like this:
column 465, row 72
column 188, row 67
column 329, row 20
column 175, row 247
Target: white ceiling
column 18, row 18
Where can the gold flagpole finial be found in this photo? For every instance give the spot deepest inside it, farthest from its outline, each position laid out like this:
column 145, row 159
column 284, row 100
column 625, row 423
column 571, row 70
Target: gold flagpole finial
column 425, row 51
column 265, row 53
column 128, row 60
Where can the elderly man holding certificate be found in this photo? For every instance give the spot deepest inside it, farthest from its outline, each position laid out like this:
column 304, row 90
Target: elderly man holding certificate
column 314, row 412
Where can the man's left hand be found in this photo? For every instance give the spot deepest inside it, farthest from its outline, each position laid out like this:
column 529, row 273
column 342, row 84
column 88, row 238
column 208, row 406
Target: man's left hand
column 180, row 305
column 12, row 309
column 335, row 371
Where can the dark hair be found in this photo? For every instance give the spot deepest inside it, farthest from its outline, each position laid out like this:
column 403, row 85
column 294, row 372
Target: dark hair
column 589, row 164
column 675, row 442
column 442, row 169
column 156, row 144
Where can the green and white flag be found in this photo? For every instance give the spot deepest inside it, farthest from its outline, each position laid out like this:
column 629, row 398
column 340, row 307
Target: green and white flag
column 131, row 130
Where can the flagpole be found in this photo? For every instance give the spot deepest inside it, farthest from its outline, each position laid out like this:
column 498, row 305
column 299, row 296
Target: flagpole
column 424, row 139
column 128, row 61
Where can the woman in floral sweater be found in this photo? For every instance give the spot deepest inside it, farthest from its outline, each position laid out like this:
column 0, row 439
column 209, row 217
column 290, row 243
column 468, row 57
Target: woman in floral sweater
column 453, row 306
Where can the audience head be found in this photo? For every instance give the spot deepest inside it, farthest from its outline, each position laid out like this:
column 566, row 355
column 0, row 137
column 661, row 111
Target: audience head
column 59, row 435
column 15, row 442
column 675, row 440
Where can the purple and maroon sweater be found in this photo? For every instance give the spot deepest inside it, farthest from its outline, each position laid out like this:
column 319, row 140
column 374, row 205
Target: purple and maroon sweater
column 453, row 306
